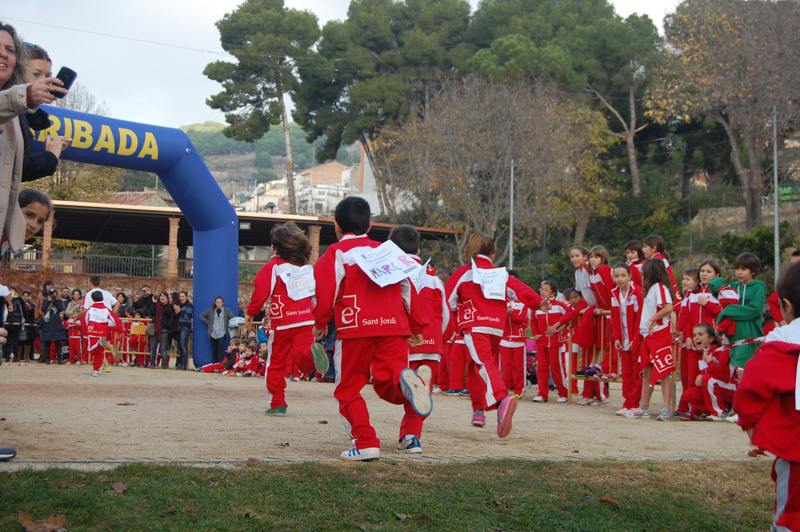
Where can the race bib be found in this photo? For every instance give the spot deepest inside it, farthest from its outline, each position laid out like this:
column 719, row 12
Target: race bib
column 492, row 281
column 386, row 264
column 299, row 282
column 419, row 279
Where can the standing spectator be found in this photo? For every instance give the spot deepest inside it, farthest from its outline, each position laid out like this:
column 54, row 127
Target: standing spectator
column 158, row 314
column 65, row 295
column 122, row 306
column 41, row 297
column 74, row 306
column 185, row 315
column 128, row 303
column 217, row 319
column 27, row 333
column 13, row 317
column 53, row 330
column 169, row 325
column 147, row 302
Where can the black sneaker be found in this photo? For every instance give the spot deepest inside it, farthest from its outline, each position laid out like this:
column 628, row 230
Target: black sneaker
column 7, row 453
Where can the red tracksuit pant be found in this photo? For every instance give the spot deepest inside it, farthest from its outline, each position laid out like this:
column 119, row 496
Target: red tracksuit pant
column 456, row 366
column 75, row 349
column 717, row 394
column 285, row 349
column 485, row 383
column 548, row 361
column 387, row 357
column 786, row 476
column 96, row 352
column 512, row 367
column 631, row 379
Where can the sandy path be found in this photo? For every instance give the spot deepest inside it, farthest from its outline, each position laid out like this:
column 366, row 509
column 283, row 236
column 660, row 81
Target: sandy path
column 60, row 413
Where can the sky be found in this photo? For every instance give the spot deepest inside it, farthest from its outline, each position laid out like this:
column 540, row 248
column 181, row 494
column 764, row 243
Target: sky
column 144, row 59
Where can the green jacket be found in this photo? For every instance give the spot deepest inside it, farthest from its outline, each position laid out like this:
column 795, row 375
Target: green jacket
column 748, row 315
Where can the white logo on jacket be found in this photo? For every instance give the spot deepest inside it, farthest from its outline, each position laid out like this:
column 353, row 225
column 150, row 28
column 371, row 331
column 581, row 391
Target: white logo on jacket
column 349, row 316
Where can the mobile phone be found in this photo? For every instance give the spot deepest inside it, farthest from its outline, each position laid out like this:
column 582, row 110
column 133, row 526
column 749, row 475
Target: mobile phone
column 67, row 76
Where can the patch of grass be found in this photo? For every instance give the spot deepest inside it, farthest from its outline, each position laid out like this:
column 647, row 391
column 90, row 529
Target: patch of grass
column 491, row 495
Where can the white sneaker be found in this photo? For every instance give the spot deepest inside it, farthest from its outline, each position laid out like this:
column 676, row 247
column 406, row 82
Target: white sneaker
column 436, row 389
column 715, row 418
column 539, row 399
column 598, row 403
column 415, row 391
column 622, row 411
column 95, row 374
column 585, row 401
column 411, row 445
column 732, row 419
column 362, row 455
column 561, row 400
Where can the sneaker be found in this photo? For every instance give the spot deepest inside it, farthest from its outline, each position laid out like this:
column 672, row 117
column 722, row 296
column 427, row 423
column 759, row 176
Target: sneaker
column 561, row 400
column 515, row 396
column 478, row 418
column 320, row 358
column 362, row 455
column 538, row 399
column 665, row 415
column 415, row 391
column 638, row 413
column 686, row 417
column 505, row 413
column 609, row 376
column 294, row 379
column 7, row 453
column 622, row 411
column 581, row 372
column 586, row 401
column 247, row 373
column 280, row 411
column 602, row 402
column 732, row 419
column 463, row 393
column 95, row 374
column 590, row 372
column 426, row 375
column 106, row 369
column 450, row 392
column 715, row 418
column 410, row 446
column 436, row 389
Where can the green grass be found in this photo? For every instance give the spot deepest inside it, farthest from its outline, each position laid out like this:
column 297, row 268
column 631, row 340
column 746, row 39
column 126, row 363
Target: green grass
column 491, row 495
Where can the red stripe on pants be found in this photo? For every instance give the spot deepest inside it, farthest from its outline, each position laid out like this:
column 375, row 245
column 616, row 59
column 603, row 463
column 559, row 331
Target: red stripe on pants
column 386, row 356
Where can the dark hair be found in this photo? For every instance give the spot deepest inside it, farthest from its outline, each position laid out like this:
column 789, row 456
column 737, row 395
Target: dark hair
column 714, row 266
column 583, row 250
column 694, row 274
column 76, row 290
column 18, row 77
column 97, row 295
column 234, row 341
column 477, row 244
column 710, row 331
column 44, row 287
column 551, row 285
column 124, row 296
column 95, row 280
column 174, row 296
column 654, row 272
column 635, row 245
column 623, row 265
column 130, row 311
column 796, row 253
column 353, row 215
column 25, row 292
column 748, row 261
column 600, row 251
column 406, row 237
column 571, row 291
column 290, row 243
column 514, row 274
column 37, row 52
column 30, row 195
column 657, row 242
column 789, row 287
column 184, row 292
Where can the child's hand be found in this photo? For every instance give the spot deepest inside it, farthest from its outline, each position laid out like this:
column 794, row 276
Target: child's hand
column 617, row 345
column 651, row 326
column 552, row 329
column 536, row 337
column 698, row 381
column 415, row 340
column 689, row 342
column 702, row 300
column 597, row 311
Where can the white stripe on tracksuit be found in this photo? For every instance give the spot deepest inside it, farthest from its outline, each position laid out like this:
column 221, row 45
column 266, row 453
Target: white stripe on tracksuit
column 489, row 398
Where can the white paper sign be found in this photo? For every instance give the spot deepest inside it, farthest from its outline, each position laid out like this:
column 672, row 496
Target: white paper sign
column 299, row 282
column 386, row 264
column 493, row 281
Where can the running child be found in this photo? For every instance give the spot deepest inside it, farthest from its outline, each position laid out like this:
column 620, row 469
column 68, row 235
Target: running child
column 768, row 405
column 425, row 358
column 98, row 322
column 548, row 347
column 656, row 357
column 375, row 327
column 626, row 307
column 287, row 281
column 478, row 291
column 512, row 345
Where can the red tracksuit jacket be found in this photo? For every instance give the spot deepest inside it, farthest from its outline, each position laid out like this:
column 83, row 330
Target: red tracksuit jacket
column 602, row 284
column 542, row 320
column 284, row 312
column 692, row 313
column 98, row 322
column 633, row 313
column 516, row 323
column 431, row 298
column 362, row 309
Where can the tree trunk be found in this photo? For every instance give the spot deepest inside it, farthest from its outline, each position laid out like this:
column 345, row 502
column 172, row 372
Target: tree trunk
column 630, row 133
column 752, row 205
column 581, row 225
column 287, row 139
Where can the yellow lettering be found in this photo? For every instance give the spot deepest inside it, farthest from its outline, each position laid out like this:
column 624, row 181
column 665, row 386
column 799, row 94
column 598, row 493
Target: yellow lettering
column 127, row 142
column 53, row 129
column 106, row 141
column 68, row 128
column 83, row 135
column 149, row 147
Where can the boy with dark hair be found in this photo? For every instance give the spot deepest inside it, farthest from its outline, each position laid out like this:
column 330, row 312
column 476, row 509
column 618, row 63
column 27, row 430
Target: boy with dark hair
column 743, row 320
column 425, row 358
column 768, row 404
column 98, row 322
column 375, row 327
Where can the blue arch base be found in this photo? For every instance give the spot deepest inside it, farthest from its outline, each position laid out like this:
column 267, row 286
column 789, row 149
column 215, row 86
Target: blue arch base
column 170, row 154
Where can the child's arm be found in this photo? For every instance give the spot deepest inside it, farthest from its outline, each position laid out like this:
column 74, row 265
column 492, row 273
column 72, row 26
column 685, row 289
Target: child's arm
column 524, row 293
column 666, row 310
column 749, row 310
column 261, row 292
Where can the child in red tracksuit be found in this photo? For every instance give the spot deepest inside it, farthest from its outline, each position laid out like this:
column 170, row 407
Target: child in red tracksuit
column 654, row 247
column 635, row 260
column 98, row 323
column 478, row 292
column 548, row 347
column 512, row 346
column 688, row 357
column 287, row 281
column 74, row 330
column 566, row 327
column 714, row 384
column 768, row 404
column 425, row 358
column 375, row 326
column 626, row 307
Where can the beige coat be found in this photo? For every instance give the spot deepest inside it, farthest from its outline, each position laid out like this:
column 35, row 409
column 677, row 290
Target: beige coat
column 13, row 102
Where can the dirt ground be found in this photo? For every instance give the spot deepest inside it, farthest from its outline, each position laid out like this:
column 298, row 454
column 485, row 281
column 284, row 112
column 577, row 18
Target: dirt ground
column 59, row 414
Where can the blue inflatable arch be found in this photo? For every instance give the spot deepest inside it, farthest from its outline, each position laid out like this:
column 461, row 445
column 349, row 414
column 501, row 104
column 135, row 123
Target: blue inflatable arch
column 169, row 154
